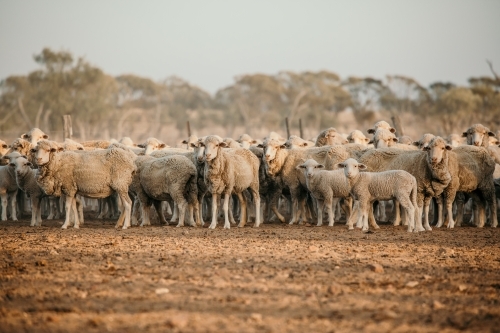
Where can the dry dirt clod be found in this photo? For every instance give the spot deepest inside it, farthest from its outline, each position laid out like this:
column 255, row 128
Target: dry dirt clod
column 462, row 287
column 412, row 284
column 177, row 321
column 313, row 248
column 335, row 289
column 41, row 263
column 437, row 305
column 162, row 291
column 377, row 268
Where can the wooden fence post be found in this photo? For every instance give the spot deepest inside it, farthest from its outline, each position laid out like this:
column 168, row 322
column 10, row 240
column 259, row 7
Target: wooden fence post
column 300, row 128
column 397, row 125
column 68, row 127
column 287, row 128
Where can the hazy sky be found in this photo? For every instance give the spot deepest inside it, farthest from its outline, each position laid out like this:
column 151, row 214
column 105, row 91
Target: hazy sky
column 210, row 42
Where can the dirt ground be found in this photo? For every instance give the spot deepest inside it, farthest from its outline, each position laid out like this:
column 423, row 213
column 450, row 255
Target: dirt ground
column 275, row 278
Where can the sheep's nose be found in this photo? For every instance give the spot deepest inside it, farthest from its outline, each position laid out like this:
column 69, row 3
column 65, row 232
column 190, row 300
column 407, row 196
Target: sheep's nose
column 476, row 143
column 268, row 156
column 434, row 159
column 309, row 174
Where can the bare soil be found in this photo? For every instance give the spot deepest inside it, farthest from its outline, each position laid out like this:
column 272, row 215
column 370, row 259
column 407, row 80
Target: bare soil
column 274, row 278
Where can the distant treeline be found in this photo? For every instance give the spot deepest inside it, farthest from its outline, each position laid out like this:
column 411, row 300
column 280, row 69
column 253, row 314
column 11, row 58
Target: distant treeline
column 101, row 103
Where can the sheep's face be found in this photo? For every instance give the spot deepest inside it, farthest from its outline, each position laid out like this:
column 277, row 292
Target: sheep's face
column 358, row 138
column 309, row 167
column 151, row 145
column 230, row 143
column 383, row 139
column 381, row 125
column 405, row 140
column 127, row 142
column 334, row 138
column 351, row 168
column 477, row 135
column 424, row 141
column 34, row 136
column 297, row 142
column 212, row 147
column 271, row 148
column 42, row 155
column 493, row 141
column 22, row 166
column 455, row 140
column 436, row 150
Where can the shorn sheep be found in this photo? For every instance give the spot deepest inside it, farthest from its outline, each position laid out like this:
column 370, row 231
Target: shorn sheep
column 327, row 187
column 229, row 171
column 366, row 187
column 94, row 174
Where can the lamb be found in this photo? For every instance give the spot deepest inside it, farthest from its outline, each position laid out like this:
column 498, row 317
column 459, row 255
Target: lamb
column 381, row 124
column 358, row 137
column 330, row 137
column 384, row 138
column 34, row 135
column 230, row 171
column 327, row 187
column 366, row 187
column 164, row 178
column 95, row 174
column 297, row 142
column 8, row 187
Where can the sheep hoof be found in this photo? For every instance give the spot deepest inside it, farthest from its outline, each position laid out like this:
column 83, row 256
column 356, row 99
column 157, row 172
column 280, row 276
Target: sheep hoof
column 227, row 227
column 64, row 227
column 178, row 226
column 124, row 228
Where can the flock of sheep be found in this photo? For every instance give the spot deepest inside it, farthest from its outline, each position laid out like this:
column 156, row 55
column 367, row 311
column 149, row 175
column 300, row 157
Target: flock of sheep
column 333, row 172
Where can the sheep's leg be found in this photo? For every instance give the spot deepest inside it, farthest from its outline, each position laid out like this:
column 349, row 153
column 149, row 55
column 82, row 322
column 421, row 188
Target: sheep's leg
column 159, row 211
column 181, row 206
column 4, row 197
column 13, row 203
column 354, row 216
column 409, row 211
column 145, row 211
column 294, row 210
column 175, row 216
column 69, row 202
column 136, row 211
column 427, row 202
column 320, row 205
column 346, row 204
column 34, row 211
column 256, row 199
column 382, row 216
column 39, row 214
column 243, row 209
column 337, row 211
column 439, row 203
column 79, row 205
column 371, row 218
column 420, row 205
column 489, row 195
column 336, row 214
column 365, row 208
column 214, row 211
column 397, row 214
column 127, row 209
column 330, row 204
column 225, row 208
column 75, row 213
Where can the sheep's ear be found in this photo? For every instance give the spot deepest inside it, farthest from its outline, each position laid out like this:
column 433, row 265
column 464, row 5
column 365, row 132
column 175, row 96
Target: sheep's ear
column 53, row 150
column 371, row 142
column 392, row 130
column 192, row 145
column 4, row 146
column 491, row 134
column 448, row 147
column 60, row 149
column 302, row 166
column 223, row 144
column 283, row 146
column 260, row 145
column 201, row 144
column 361, row 166
column 29, row 164
column 415, row 143
column 162, row 145
column 33, row 150
column 12, row 164
column 464, row 134
column 304, row 145
column 340, row 165
column 24, row 136
column 80, row 148
column 426, row 148
column 371, row 131
column 395, row 139
column 320, row 166
column 253, row 142
column 24, row 156
column 45, row 136
column 141, row 145
column 367, row 140
column 185, row 142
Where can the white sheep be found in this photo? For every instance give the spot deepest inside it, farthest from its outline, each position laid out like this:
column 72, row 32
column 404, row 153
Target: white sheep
column 95, row 174
column 366, row 187
column 455, row 140
column 358, row 137
column 384, row 138
column 229, row 171
column 297, row 142
column 34, row 135
column 152, row 144
column 246, row 141
column 381, row 124
column 8, row 187
column 330, row 137
column 326, row 186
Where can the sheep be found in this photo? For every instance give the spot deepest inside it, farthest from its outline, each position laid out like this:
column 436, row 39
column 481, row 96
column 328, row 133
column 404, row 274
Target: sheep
column 405, row 140
column 193, row 139
column 358, row 137
column 246, row 141
column 34, row 135
column 424, row 141
column 127, row 142
column 8, row 186
column 230, row 171
column 280, row 164
column 69, row 144
column 379, row 125
column 326, row 186
column 478, row 135
column 297, row 142
column 164, row 178
column 366, row 187
column 430, row 184
column 152, row 144
column 330, row 137
column 95, row 174
column 231, row 143
column 455, row 140
column 384, row 138
column 95, row 144
column 4, row 149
